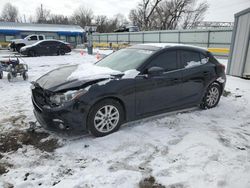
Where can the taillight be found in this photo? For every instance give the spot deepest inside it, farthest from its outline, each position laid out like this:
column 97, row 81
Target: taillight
column 222, row 66
column 69, row 45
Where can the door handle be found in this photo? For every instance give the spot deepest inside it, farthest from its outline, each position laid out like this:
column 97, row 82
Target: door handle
column 176, row 80
column 205, row 73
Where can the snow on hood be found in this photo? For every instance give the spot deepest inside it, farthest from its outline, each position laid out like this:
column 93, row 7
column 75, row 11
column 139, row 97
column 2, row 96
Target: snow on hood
column 90, row 71
column 130, row 73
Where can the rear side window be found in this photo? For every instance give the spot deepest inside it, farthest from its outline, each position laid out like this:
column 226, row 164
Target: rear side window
column 166, row 60
column 40, row 37
column 191, row 59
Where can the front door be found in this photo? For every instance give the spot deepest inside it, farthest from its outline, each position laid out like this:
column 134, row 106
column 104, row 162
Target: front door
column 159, row 92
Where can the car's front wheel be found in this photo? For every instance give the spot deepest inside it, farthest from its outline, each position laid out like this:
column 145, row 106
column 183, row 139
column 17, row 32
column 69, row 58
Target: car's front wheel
column 212, row 96
column 105, row 117
column 32, row 53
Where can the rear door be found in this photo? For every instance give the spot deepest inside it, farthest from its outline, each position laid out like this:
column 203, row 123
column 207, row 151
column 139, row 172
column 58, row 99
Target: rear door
column 161, row 92
column 195, row 74
column 53, row 47
column 43, row 48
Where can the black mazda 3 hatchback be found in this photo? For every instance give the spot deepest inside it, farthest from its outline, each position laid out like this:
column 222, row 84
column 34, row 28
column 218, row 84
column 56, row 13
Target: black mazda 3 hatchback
column 132, row 83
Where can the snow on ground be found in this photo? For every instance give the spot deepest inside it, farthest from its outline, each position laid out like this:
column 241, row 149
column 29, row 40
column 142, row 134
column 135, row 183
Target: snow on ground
column 195, row 148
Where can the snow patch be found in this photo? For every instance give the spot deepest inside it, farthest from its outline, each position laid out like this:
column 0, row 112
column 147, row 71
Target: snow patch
column 130, row 73
column 196, row 63
column 90, row 71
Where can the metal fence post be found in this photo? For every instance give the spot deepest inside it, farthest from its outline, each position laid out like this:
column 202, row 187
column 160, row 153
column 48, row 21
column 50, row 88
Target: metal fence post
column 129, row 38
column 107, row 38
column 142, row 37
column 179, row 36
column 208, row 38
column 159, row 37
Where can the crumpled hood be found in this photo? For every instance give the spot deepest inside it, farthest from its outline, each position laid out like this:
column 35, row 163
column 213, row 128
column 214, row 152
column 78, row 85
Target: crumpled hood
column 61, row 79
column 79, row 76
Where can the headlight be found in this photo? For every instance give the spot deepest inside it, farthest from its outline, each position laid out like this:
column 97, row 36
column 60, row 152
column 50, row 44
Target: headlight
column 67, row 96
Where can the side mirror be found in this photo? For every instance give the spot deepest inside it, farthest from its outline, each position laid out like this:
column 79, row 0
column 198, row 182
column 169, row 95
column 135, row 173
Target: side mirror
column 155, row 71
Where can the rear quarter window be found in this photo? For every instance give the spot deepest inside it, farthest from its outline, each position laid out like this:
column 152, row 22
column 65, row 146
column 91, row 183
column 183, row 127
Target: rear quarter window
column 191, row 59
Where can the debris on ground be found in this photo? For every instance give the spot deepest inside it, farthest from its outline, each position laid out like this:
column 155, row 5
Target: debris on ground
column 14, row 140
column 150, row 182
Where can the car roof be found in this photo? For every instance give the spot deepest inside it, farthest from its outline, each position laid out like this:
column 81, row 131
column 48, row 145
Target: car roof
column 159, row 46
column 53, row 40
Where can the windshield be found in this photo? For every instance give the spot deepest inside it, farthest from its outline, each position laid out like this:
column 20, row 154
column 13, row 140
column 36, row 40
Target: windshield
column 125, row 59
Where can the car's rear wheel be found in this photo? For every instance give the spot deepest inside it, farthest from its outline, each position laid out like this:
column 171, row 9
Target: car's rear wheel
column 1, row 74
column 105, row 117
column 212, row 96
column 61, row 52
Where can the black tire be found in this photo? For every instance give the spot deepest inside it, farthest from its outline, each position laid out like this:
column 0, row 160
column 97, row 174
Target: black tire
column 25, row 76
column 1, row 74
column 105, row 121
column 212, row 96
column 61, row 52
column 32, row 53
column 18, row 47
column 9, row 77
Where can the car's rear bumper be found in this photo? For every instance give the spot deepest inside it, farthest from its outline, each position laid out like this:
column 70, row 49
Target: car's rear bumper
column 67, row 118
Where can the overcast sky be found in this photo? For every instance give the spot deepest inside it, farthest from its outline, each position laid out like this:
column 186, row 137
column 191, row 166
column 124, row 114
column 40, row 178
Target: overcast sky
column 219, row 10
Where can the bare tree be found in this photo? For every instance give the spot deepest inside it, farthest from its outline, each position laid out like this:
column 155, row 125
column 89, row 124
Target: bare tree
column 168, row 14
column 101, row 22
column 58, row 19
column 194, row 16
column 82, row 17
column 106, row 25
column 9, row 13
column 42, row 14
column 141, row 16
column 121, row 19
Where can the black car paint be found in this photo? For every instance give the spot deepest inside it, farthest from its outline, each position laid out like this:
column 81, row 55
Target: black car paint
column 140, row 97
column 46, row 47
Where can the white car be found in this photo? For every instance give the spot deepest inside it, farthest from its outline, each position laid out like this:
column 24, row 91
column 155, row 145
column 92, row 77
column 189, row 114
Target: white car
column 17, row 44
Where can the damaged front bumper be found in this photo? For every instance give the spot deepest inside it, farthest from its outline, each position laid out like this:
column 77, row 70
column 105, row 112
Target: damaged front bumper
column 70, row 117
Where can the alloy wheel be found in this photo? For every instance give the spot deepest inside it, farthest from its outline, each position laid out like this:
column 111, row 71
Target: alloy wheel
column 213, row 96
column 106, row 118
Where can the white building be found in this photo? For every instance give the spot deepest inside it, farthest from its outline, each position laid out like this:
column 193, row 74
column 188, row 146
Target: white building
column 239, row 58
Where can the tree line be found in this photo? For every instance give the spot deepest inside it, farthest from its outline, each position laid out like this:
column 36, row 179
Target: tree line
column 147, row 15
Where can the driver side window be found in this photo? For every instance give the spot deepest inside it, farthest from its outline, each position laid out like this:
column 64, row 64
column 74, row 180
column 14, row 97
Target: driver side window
column 166, row 60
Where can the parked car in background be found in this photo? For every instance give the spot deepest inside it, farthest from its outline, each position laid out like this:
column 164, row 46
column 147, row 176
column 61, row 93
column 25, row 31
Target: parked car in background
column 46, row 47
column 17, row 44
column 129, row 84
column 127, row 29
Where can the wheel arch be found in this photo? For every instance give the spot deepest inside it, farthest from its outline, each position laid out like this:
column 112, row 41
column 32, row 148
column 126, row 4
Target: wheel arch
column 218, row 83
column 121, row 102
